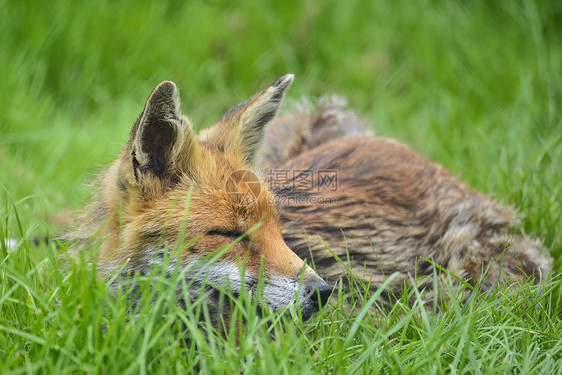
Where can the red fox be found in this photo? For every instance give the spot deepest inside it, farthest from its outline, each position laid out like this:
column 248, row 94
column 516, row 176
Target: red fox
column 377, row 204
column 330, row 184
column 143, row 195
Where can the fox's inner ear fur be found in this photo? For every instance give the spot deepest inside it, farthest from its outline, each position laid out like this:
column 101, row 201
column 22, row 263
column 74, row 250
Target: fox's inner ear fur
column 241, row 129
column 162, row 141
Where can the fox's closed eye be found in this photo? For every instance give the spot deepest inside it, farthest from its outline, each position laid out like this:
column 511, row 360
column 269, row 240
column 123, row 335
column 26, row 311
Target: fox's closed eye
column 233, row 235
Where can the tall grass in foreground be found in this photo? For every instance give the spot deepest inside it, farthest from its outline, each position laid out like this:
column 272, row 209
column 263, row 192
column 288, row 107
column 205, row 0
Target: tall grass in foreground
column 67, row 320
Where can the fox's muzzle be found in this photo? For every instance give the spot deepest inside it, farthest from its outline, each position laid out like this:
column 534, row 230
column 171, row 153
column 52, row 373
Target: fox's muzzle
column 320, row 292
column 317, row 293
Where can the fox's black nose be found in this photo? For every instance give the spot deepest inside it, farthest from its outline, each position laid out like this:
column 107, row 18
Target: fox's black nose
column 320, row 292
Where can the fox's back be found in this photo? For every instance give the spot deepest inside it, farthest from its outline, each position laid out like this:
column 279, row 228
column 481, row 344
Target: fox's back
column 386, row 207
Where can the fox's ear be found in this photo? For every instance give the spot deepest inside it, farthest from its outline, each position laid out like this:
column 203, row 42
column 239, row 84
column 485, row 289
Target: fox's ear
column 161, row 140
column 241, row 128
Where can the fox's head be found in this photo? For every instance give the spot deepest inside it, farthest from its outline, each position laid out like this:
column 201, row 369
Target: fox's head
column 170, row 187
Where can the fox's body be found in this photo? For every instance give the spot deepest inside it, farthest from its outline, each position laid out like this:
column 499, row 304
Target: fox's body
column 169, row 188
column 388, row 208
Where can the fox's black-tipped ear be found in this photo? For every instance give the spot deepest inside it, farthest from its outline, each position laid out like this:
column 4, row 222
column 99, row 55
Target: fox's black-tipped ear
column 159, row 133
column 242, row 127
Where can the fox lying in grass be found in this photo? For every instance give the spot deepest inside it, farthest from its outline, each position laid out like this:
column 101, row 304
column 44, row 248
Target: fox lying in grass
column 393, row 207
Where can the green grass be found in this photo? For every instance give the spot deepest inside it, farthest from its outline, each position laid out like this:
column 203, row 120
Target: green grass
column 473, row 85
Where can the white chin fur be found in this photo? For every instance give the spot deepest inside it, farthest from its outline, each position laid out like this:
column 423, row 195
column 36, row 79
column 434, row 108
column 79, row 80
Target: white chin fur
column 278, row 291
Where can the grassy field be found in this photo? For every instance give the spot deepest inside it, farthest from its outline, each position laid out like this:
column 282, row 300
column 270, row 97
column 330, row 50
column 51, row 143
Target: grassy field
column 475, row 85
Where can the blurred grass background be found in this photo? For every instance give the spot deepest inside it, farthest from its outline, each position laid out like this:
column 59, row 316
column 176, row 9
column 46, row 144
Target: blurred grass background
column 474, row 85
